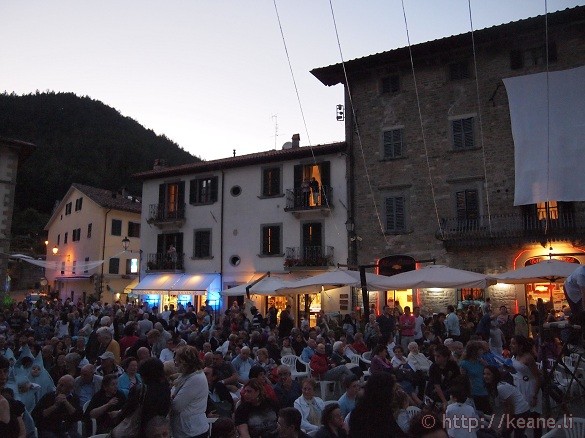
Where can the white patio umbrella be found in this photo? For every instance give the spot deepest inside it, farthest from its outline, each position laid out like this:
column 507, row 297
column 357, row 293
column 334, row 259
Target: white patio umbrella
column 547, row 270
column 335, row 279
column 438, row 276
column 265, row 286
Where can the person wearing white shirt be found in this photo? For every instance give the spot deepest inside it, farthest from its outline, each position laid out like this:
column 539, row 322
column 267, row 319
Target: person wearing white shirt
column 417, row 360
column 419, row 323
column 461, row 420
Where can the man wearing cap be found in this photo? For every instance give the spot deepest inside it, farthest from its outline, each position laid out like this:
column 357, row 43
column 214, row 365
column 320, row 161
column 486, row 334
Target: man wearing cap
column 108, row 365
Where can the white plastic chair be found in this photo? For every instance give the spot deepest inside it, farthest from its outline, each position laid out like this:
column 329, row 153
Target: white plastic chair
column 576, row 428
column 290, row 360
column 367, row 356
column 357, row 360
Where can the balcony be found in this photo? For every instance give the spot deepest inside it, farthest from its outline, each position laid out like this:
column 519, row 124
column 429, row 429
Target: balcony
column 162, row 215
column 299, row 201
column 162, row 261
column 308, row 256
column 504, row 230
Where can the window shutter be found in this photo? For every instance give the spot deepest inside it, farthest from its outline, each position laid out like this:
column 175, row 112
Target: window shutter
column 160, row 244
column 275, row 240
column 214, row 189
column 460, row 204
column 265, row 182
column 161, row 193
column 390, row 214
column 265, row 239
column 178, row 242
column 275, row 181
column 181, row 196
column 193, row 191
column 298, row 176
column 468, row 132
column 457, row 134
column 400, row 214
column 325, row 170
column 472, row 204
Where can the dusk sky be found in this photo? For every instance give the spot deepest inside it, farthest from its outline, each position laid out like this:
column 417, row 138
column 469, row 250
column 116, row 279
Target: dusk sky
column 213, row 76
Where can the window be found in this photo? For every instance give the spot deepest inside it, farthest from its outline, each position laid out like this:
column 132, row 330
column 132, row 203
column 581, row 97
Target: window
column 459, row 70
column 116, row 227
column 89, row 231
column 547, row 210
column 467, row 204
column 463, row 133
column 271, row 238
column 65, row 238
column 520, row 58
column 76, row 235
column 390, row 84
column 131, row 266
column 393, row 143
column 171, row 201
column 114, row 267
column 133, row 229
column 74, row 266
column 203, row 190
column 78, row 203
column 58, row 239
column 271, row 181
column 201, row 244
column 68, row 208
column 395, row 213
column 85, row 268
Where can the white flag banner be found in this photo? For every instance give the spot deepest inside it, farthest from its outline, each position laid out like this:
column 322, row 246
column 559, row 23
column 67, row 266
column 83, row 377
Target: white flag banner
column 549, row 135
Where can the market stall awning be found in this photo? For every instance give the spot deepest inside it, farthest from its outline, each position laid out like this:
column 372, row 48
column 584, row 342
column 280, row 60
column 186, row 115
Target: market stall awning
column 130, row 286
column 189, row 284
column 263, row 286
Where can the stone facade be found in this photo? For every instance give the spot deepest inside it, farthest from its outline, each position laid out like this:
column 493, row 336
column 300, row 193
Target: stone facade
column 428, row 173
column 11, row 152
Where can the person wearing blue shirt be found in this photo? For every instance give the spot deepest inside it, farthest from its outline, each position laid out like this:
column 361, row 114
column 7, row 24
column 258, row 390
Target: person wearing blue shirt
column 472, row 367
column 309, row 350
column 347, row 401
column 242, row 364
column 452, row 324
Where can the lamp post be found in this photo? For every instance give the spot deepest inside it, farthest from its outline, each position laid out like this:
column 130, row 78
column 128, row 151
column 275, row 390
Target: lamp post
column 126, row 245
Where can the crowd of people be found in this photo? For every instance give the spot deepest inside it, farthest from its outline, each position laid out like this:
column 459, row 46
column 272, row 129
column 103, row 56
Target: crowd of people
column 70, row 370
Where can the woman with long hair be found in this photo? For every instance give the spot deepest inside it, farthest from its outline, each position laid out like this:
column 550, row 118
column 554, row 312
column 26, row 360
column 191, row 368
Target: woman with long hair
column 472, row 368
column 189, row 396
column 255, row 417
column 513, row 402
column 332, row 423
column 373, row 416
column 153, row 397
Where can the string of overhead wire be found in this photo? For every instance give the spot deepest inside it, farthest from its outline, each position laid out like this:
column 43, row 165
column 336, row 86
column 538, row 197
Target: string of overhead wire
column 547, row 117
column 421, row 122
column 350, row 99
column 487, row 196
column 324, row 192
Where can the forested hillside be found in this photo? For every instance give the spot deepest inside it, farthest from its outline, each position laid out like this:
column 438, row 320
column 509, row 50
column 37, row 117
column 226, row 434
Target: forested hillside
column 79, row 140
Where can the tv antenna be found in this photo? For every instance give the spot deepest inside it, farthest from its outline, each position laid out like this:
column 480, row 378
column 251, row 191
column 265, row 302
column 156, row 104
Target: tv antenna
column 274, row 117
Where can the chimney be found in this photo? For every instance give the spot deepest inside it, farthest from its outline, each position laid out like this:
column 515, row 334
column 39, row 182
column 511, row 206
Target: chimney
column 159, row 163
column 296, row 139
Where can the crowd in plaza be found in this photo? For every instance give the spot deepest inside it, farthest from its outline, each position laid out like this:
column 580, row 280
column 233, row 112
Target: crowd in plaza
column 69, row 369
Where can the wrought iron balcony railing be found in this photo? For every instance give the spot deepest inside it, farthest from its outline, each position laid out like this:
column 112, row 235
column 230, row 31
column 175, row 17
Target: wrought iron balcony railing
column 308, row 256
column 162, row 261
column 301, row 199
column 160, row 213
column 512, row 227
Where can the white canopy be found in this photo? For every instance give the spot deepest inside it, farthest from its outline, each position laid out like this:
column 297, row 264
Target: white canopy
column 440, row 277
column 547, row 270
column 335, row 279
column 265, row 286
column 192, row 284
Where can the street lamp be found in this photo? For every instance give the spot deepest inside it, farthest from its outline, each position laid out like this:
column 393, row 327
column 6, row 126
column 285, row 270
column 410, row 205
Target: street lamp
column 55, row 250
column 125, row 243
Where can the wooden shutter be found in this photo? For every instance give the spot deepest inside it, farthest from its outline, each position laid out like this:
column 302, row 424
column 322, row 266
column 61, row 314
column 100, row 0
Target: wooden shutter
column 275, row 181
column 325, row 170
column 298, row 176
column 467, row 202
column 162, row 191
column 463, row 133
column 395, row 213
column 265, row 240
column 181, row 197
column 214, row 189
column 393, row 143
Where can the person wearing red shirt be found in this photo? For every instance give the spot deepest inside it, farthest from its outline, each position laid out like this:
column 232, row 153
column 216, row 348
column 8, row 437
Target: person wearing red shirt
column 359, row 345
column 407, row 322
column 324, row 369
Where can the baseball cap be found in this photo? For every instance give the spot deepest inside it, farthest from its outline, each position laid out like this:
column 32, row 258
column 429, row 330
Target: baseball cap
column 107, row 355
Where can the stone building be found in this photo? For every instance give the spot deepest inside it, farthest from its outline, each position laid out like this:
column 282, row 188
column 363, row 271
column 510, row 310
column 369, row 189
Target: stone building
column 433, row 166
column 12, row 154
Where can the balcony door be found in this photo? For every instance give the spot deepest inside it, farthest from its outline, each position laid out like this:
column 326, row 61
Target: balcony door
column 311, row 181
column 548, row 215
column 312, row 243
column 171, row 198
column 169, row 250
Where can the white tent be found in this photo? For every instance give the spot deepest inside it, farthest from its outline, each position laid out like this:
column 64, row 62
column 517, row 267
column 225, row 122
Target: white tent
column 265, row 286
column 438, row 276
column 545, row 271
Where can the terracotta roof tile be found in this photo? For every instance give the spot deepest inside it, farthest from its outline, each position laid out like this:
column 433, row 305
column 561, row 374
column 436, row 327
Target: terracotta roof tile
column 109, row 199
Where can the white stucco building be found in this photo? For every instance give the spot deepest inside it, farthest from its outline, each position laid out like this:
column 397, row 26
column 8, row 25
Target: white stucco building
column 212, row 225
column 88, row 226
